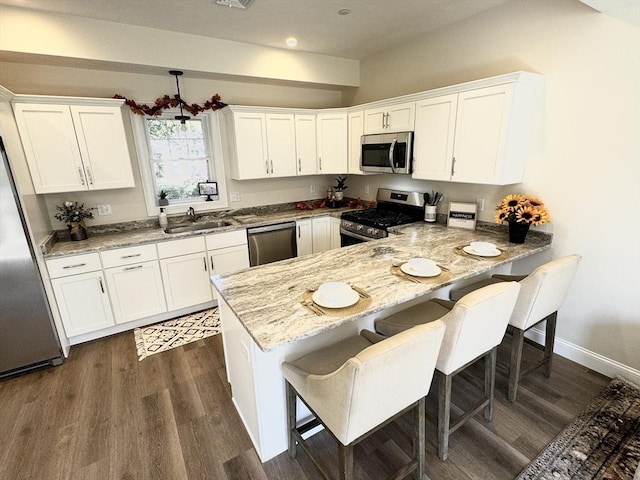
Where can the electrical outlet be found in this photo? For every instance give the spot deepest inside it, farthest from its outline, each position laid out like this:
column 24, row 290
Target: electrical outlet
column 366, row 189
column 104, row 209
column 312, row 188
column 480, row 202
column 235, row 196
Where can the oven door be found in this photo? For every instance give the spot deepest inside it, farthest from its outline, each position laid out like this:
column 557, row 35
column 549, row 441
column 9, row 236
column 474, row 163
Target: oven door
column 349, row 238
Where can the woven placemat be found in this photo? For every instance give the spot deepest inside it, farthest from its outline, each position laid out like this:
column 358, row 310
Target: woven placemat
column 444, row 276
column 459, row 250
column 360, row 306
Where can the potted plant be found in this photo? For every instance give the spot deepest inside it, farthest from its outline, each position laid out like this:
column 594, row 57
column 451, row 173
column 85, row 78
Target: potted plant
column 521, row 211
column 164, row 201
column 74, row 214
column 339, row 188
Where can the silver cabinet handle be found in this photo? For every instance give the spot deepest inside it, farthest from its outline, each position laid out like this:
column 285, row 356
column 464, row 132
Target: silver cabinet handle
column 453, row 166
column 133, row 268
column 101, row 285
column 81, row 175
column 89, row 176
column 212, row 267
column 298, row 231
column 266, row 162
column 131, row 256
column 271, row 166
column 320, row 162
column 75, row 266
column 383, row 117
column 205, row 264
column 299, row 165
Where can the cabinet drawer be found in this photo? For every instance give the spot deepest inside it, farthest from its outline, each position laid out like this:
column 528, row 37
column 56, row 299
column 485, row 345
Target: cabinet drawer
column 129, row 255
column 227, row 239
column 183, row 246
column 65, row 266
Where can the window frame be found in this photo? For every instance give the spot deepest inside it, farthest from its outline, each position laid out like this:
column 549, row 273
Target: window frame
column 213, row 140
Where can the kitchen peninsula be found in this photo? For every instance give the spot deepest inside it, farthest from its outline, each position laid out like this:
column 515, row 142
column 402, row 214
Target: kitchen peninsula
column 264, row 322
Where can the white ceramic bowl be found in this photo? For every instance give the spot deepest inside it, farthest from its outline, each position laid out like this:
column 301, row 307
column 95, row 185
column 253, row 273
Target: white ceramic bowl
column 423, row 265
column 334, row 290
column 483, row 247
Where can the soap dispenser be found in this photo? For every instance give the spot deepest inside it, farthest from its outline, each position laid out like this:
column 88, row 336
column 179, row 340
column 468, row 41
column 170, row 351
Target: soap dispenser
column 162, row 218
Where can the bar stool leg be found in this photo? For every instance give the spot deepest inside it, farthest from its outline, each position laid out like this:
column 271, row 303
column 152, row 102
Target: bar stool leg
column 490, row 381
column 444, row 414
column 549, row 340
column 345, row 461
column 419, row 441
column 514, row 368
column 291, row 419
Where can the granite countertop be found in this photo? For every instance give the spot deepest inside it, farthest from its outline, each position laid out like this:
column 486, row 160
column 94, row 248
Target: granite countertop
column 277, row 318
column 138, row 233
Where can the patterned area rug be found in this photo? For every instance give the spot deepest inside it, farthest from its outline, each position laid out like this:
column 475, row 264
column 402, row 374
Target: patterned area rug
column 603, row 442
column 177, row 332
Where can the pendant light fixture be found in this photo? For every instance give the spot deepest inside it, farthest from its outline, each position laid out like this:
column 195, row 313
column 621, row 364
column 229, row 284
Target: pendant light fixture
column 183, row 118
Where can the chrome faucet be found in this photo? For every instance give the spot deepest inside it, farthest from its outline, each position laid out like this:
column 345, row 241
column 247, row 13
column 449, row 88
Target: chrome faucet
column 191, row 214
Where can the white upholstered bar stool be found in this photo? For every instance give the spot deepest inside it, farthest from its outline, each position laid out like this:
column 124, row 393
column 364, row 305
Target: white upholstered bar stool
column 475, row 327
column 542, row 293
column 361, row 384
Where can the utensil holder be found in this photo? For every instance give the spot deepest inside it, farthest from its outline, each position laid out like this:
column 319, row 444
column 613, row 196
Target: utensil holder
column 430, row 213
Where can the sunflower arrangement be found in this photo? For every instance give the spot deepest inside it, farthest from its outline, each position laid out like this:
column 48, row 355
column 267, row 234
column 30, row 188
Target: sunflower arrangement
column 522, row 209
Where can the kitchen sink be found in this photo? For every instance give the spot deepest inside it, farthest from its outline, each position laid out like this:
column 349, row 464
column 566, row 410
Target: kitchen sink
column 194, row 227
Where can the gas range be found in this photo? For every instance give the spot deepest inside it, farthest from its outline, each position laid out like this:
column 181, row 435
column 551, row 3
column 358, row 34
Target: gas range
column 394, row 208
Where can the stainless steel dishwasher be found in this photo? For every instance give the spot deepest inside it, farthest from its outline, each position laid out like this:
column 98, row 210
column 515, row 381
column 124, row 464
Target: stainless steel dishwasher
column 271, row 243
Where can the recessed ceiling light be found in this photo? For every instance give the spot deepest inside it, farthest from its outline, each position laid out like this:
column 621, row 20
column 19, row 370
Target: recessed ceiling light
column 242, row 4
column 291, row 41
column 344, row 11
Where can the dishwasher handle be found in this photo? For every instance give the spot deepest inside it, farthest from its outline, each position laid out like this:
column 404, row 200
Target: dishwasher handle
column 271, row 228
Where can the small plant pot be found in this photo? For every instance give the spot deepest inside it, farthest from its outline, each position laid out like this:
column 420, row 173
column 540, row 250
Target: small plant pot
column 338, row 196
column 163, row 202
column 77, row 231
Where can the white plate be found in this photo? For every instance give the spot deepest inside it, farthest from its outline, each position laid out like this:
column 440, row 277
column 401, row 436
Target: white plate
column 470, row 250
column 408, row 269
column 350, row 298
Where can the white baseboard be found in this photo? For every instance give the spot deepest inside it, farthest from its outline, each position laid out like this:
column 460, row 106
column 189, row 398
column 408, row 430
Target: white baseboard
column 587, row 358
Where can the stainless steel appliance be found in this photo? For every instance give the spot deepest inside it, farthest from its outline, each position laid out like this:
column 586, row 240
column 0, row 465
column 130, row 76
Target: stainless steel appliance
column 27, row 336
column 387, row 152
column 271, row 243
column 394, row 207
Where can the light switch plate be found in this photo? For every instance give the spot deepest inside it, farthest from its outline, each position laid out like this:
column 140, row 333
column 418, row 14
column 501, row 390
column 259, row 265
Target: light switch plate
column 235, row 196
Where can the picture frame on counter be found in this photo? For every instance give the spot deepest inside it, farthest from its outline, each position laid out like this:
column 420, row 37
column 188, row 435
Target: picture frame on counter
column 462, row 215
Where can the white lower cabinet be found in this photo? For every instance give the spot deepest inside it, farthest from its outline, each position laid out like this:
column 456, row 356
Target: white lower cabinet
column 81, row 295
column 315, row 235
column 184, row 272
column 135, row 291
column 304, row 237
column 335, row 233
column 321, row 227
column 228, row 252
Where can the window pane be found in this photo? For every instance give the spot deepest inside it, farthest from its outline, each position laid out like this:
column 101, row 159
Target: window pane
column 180, row 158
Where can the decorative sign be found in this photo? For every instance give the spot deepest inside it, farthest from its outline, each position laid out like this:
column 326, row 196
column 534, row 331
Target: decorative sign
column 462, row 215
column 210, row 189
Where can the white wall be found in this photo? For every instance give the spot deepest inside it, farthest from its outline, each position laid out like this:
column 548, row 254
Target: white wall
column 588, row 172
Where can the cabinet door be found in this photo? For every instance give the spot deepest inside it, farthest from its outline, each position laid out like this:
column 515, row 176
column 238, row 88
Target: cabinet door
column 356, row 130
column 103, row 146
column 332, row 143
column 186, row 280
column 321, row 227
column 304, row 238
column 251, row 145
column 434, row 137
column 51, row 148
column 228, row 260
column 392, row 118
column 306, row 144
column 83, row 303
column 481, row 130
column 335, row 233
column 136, row 291
column 281, row 145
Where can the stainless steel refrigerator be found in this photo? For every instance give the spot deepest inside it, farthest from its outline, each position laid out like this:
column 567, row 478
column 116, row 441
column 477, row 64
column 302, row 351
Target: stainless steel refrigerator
column 28, row 338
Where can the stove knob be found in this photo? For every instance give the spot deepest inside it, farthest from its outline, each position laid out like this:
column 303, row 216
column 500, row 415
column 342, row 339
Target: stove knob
column 374, row 231
column 359, row 227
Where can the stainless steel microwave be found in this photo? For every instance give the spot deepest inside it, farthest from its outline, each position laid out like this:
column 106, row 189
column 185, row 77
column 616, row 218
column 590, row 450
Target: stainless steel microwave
column 387, row 152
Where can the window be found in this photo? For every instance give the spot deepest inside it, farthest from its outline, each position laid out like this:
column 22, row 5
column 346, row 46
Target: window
column 179, row 157
column 174, row 158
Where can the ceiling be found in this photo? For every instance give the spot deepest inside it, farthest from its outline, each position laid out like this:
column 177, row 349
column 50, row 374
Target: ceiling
column 372, row 24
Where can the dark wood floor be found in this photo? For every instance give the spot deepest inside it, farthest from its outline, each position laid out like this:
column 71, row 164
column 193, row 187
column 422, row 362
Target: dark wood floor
column 104, row 415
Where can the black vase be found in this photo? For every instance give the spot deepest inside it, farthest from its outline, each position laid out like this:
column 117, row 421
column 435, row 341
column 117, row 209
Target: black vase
column 77, row 231
column 518, row 231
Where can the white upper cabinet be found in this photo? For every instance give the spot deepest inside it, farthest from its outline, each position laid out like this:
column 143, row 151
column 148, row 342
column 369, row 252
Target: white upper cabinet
column 478, row 135
column 356, row 130
column 281, row 145
column 306, row 144
column 332, row 142
column 392, row 118
column 74, row 147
